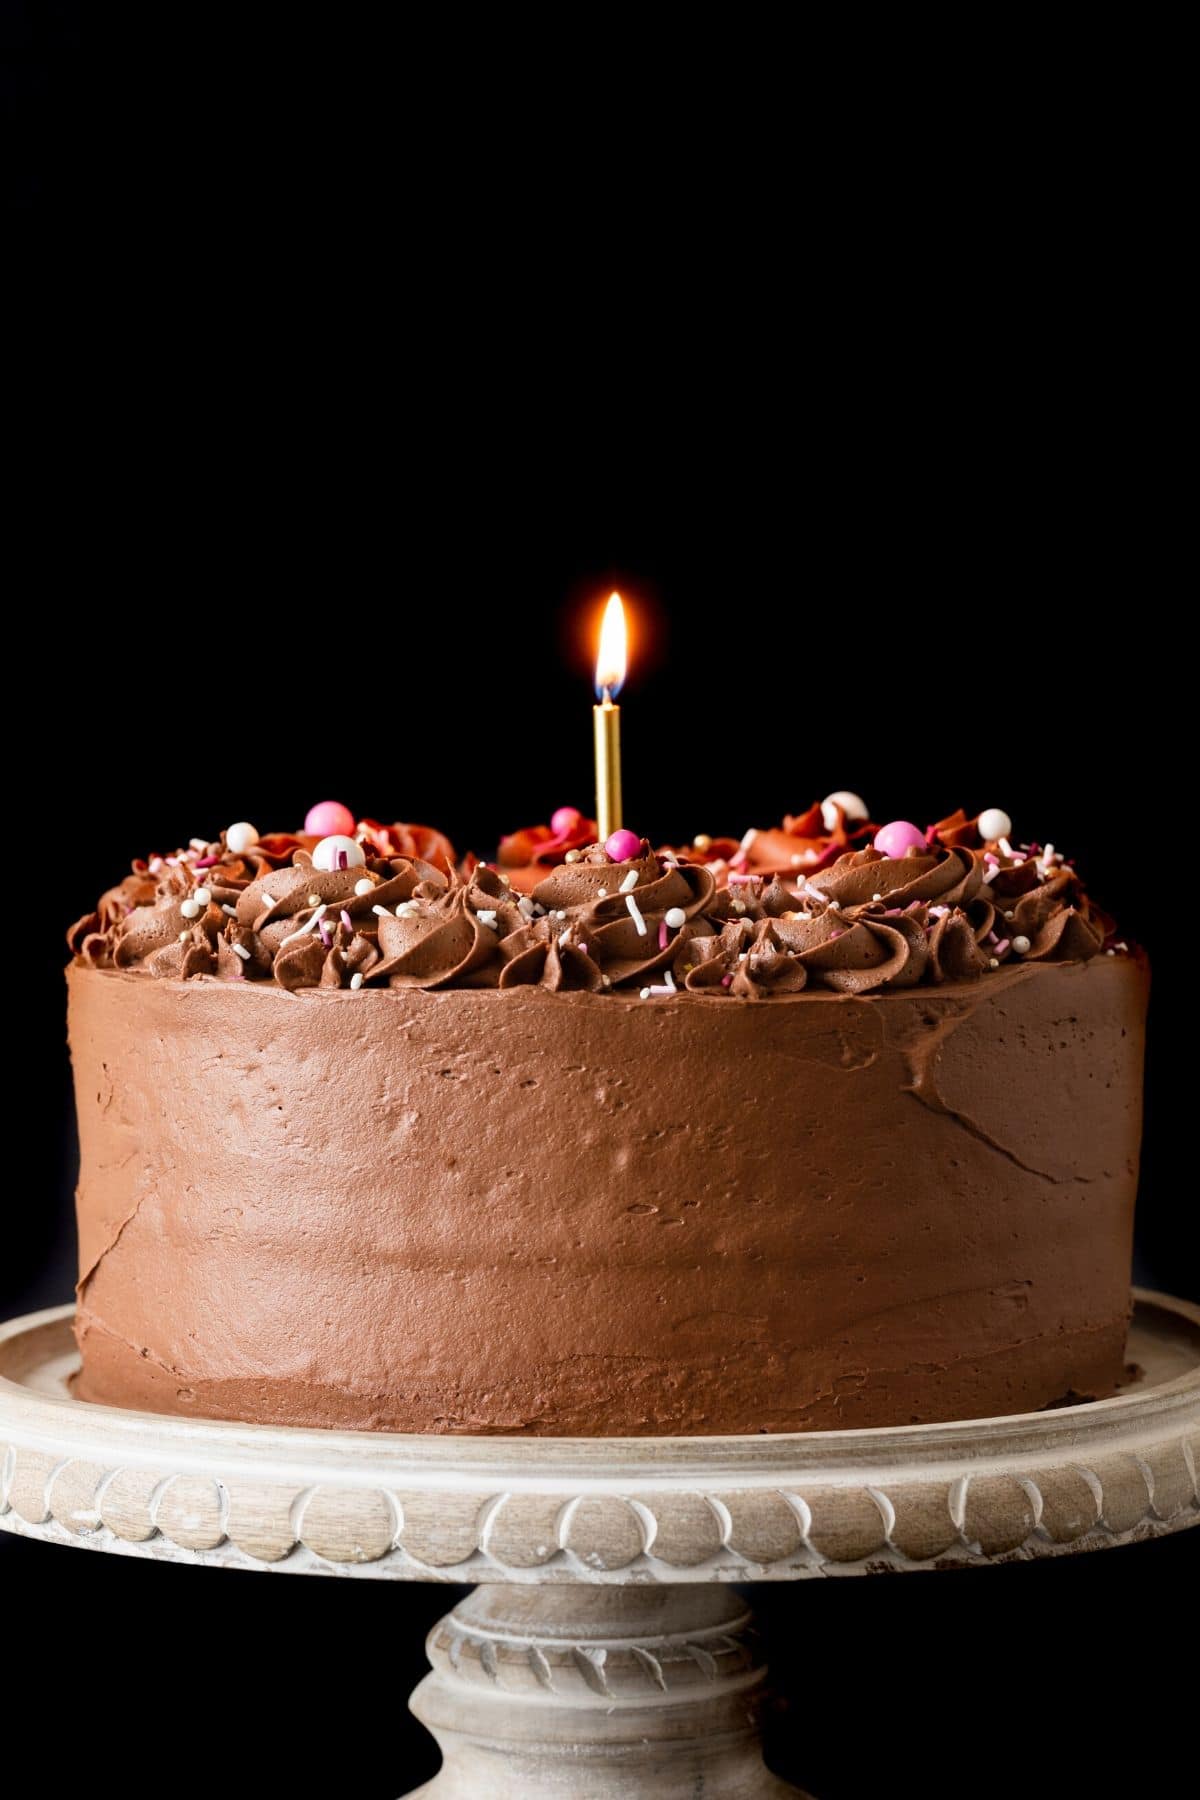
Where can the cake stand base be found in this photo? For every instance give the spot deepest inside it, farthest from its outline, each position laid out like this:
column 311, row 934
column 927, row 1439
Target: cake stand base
column 607, row 1650
column 557, row 1693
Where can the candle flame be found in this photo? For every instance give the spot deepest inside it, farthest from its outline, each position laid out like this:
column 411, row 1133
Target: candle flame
column 610, row 664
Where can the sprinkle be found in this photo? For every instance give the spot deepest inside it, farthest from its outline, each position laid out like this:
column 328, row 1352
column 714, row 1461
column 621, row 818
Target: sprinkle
column 203, row 895
column 628, row 882
column 197, row 843
column 190, row 909
column 739, row 906
column 381, row 912
column 487, row 916
column 989, row 875
column 675, row 917
column 1121, row 945
column 506, row 879
column 155, row 864
column 602, row 893
column 669, row 979
column 347, row 921
column 185, row 935
column 877, row 896
column 363, row 887
column 314, row 899
column 702, row 841
column 572, row 856
column 991, row 937
column 743, row 879
column 991, row 859
column 727, row 981
column 1110, row 953
column 584, row 948
column 172, row 862
column 939, row 912
column 356, row 981
column 664, row 936
column 240, row 950
column 406, row 909
column 525, row 906
column 326, row 935
column 658, row 992
column 1001, row 946
column 1006, row 848
column 993, row 962
column 835, row 906
column 606, row 981
column 231, row 910
column 269, row 899
column 1009, row 915
column 670, row 858
column 563, row 935
column 646, row 991
column 635, row 914
column 747, row 841
column 207, row 862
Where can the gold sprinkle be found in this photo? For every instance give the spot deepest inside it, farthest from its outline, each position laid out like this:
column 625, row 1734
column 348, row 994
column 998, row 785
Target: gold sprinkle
column 702, row 841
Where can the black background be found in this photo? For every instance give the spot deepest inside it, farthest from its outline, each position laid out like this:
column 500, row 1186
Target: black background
column 317, row 484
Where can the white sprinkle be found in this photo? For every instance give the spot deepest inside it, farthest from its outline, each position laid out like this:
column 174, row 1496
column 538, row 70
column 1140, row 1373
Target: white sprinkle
column 240, row 950
column 656, row 991
column 670, row 858
column 191, row 909
column 172, row 862
column 739, row 906
column 154, row 865
column 381, row 912
column 231, row 910
column 747, row 841
column 1122, row 946
column 309, row 925
column 602, row 893
column 877, row 896
column 646, row 991
column 1020, row 944
column 835, row 906
column 356, row 981
column 1006, row 848
column 314, row 899
column 203, row 895
column 636, row 914
column 198, row 843
column 797, row 859
column 364, row 887
column 989, row 875
column 939, row 912
column 676, row 917
column 525, row 907
column 669, row 979
column 487, row 916
column 240, row 836
column 406, row 909
column 993, row 962
column 560, row 914
column 1049, row 854
column 1009, row 915
column 628, row 882
column 563, row 936
column 269, row 899
column 185, row 935
column 572, row 856
column 606, row 981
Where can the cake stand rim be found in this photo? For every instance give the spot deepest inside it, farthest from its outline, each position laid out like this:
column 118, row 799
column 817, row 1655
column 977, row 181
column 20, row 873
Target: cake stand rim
column 478, row 1454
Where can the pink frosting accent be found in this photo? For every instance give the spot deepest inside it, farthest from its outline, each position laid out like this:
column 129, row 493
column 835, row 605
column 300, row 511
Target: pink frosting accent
column 898, row 837
column 623, row 846
column 329, row 818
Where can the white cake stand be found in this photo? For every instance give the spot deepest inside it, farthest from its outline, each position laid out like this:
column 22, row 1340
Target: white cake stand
column 604, row 1652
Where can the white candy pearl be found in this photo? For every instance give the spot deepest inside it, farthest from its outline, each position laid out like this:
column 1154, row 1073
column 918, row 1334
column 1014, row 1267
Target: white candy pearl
column 1020, row 945
column 853, row 806
column 239, row 837
column 202, row 896
column 364, row 887
column 190, row 909
column 676, row 918
column 994, row 824
column 327, row 852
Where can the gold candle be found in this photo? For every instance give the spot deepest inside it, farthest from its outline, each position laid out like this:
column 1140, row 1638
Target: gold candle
column 606, row 719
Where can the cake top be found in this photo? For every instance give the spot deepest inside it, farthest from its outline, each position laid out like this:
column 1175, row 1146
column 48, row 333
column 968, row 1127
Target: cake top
column 827, row 900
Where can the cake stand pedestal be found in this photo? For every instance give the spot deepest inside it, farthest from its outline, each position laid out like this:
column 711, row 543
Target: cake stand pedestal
column 605, row 1651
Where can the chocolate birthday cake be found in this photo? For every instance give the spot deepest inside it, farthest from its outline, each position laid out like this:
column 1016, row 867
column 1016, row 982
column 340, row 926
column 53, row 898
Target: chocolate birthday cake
column 822, row 1127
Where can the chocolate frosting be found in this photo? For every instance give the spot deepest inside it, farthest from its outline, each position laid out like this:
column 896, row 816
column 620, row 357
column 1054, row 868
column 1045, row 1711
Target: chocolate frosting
column 461, row 1209
column 825, row 916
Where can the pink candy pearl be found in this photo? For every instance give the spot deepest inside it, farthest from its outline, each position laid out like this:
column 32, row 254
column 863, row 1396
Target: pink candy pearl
column 899, row 836
column 329, row 818
column 623, row 845
column 566, row 820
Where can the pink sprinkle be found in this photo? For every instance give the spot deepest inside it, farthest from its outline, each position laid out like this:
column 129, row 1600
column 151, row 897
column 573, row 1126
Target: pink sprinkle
column 663, row 936
column 727, row 981
column 836, row 934
column 1000, row 943
column 583, row 947
column 207, row 862
column 154, row 865
column 894, row 912
column 992, row 938
column 326, row 938
column 343, row 860
column 347, row 921
column 931, row 835
column 737, row 862
column 992, row 861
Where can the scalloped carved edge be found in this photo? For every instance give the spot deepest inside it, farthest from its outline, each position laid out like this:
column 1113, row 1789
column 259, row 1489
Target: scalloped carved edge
column 675, row 1534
